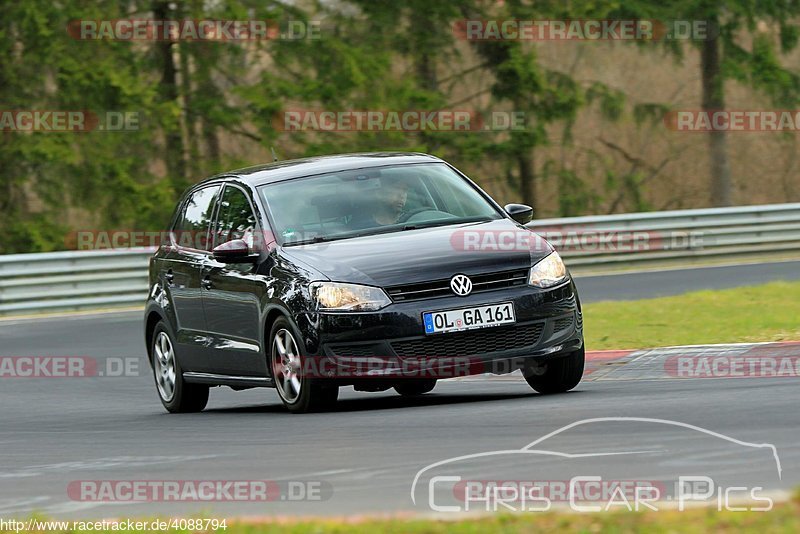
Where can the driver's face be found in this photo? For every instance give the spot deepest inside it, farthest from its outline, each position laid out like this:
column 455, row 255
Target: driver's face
column 395, row 197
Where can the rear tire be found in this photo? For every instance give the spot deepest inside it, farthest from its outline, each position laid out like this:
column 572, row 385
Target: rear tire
column 299, row 393
column 557, row 375
column 175, row 393
column 413, row 388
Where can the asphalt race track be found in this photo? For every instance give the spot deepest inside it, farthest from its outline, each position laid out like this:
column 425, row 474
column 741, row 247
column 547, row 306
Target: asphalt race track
column 364, row 456
column 631, row 286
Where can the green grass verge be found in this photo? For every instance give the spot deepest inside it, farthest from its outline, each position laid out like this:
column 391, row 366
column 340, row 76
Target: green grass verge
column 784, row 517
column 767, row 312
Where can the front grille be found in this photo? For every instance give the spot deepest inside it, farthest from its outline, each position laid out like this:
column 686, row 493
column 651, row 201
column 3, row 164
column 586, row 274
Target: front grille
column 355, row 351
column 441, row 288
column 562, row 324
column 459, row 344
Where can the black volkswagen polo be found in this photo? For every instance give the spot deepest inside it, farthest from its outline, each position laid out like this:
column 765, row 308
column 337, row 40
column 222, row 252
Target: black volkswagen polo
column 375, row 271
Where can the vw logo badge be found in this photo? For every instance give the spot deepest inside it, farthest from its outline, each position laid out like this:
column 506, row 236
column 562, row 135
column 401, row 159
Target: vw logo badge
column 461, row 285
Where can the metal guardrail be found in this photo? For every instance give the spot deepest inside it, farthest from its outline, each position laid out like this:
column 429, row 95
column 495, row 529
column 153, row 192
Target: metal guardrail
column 57, row 281
column 680, row 236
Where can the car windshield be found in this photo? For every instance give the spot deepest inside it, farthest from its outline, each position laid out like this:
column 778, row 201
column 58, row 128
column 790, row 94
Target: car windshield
column 370, row 201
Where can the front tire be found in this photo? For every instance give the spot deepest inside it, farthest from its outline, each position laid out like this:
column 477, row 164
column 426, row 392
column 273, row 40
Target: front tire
column 298, row 392
column 557, row 375
column 176, row 395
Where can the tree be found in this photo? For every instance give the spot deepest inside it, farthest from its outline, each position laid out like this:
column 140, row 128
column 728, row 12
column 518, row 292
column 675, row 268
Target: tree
column 50, row 177
column 731, row 26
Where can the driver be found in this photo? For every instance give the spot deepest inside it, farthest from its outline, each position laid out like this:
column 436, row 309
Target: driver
column 391, row 201
column 387, row 208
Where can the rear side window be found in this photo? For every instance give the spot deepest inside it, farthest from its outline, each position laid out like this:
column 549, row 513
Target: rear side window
column 192, row 226
column 236, row 219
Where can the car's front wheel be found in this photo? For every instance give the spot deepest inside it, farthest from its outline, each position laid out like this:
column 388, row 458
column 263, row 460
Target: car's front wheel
column 299, row 392
column 557, row 375
column 176, row 395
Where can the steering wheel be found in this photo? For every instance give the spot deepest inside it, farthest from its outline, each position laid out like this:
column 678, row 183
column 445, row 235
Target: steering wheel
column 407, row 215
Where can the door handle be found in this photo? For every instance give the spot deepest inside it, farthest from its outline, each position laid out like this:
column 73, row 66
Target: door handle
column 206, row 283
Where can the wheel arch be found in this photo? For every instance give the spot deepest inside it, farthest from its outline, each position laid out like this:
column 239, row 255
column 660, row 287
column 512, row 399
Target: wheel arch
column 272, row 315
column 153, row 318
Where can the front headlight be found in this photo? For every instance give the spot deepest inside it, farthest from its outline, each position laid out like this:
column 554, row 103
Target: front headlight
column 334, row 296
column 548, row 272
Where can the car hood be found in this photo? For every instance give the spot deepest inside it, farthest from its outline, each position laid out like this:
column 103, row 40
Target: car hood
column 425, row 254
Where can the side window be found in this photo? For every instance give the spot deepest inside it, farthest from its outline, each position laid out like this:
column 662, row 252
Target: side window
column 192, row 226
column 236, row 219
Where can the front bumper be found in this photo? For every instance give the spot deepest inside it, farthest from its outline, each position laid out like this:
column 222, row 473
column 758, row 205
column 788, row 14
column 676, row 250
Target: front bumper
column 392, row 343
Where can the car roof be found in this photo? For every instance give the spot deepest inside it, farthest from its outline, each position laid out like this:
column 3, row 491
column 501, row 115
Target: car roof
column 298, row 168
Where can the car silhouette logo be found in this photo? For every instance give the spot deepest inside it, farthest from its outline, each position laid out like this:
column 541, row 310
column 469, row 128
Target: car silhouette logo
column 461, row 285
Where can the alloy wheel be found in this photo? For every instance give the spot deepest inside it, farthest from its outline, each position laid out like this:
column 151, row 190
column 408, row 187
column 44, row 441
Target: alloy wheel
column 286, row 366
column 164, row 366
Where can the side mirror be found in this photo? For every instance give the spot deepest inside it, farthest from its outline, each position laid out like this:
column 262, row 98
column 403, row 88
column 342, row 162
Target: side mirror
column 234, row 251
column 519, row 212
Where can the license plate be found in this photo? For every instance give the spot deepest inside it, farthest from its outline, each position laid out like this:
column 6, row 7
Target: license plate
column 468, row 318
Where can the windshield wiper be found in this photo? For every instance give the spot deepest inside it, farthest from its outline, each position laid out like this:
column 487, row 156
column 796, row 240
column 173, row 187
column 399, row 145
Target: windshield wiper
column 317, row 239
column 337, row 237
column 444, row 222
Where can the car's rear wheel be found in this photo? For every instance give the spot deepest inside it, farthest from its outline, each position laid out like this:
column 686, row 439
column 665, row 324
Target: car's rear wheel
column 414, row 387
column 299, row 392
column 176, row 395
column 557, row 375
